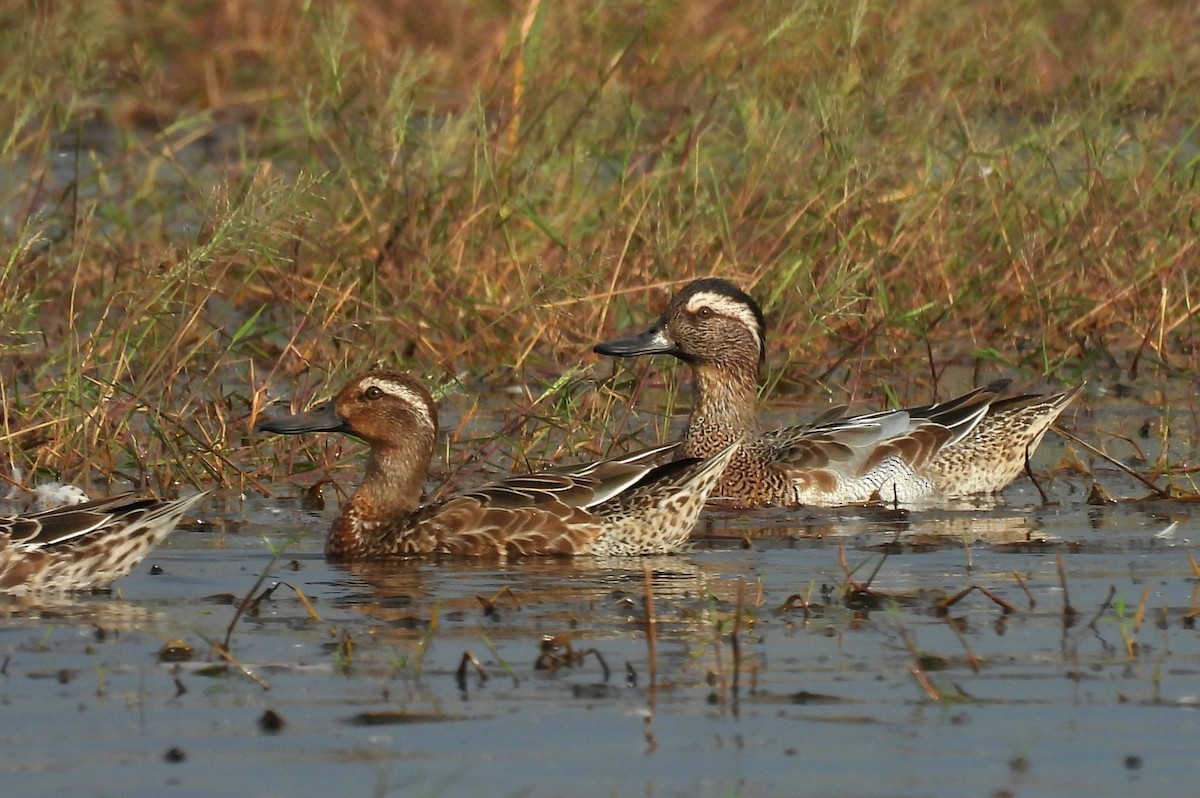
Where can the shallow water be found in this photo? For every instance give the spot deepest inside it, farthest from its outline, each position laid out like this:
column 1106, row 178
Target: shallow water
column 821, row 702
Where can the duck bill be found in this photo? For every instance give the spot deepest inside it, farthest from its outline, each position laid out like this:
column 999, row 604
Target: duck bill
column 320, row 419
column 653, row 341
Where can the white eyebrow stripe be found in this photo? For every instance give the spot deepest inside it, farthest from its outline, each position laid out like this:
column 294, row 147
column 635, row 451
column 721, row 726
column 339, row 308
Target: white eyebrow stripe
column 414, row 399
column 729, row 307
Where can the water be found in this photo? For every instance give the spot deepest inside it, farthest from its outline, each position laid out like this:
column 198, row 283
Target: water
column 833, row 700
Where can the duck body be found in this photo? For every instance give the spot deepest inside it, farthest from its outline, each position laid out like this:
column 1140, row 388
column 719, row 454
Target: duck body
column 84, row 546
column 975, row 443
column 627, row 506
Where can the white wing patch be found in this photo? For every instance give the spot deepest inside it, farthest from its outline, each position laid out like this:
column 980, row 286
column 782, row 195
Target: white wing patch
column 415, row 399
column 730, row 308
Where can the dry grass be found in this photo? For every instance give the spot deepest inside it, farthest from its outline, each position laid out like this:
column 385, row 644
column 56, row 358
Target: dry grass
column 210, row 206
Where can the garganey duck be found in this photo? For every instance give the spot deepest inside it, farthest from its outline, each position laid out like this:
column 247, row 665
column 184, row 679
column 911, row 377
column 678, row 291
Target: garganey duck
column 617, row 507
column 976, row 443
column 84, row 546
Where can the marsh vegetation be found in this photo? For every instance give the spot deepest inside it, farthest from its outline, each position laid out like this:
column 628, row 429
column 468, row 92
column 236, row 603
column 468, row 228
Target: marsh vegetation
column 209, row 208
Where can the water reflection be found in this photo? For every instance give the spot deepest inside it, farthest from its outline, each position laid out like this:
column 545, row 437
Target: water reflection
column 103, row 611
column 599, row 595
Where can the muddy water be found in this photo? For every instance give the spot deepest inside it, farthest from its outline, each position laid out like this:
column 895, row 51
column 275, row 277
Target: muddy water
column 879, row 696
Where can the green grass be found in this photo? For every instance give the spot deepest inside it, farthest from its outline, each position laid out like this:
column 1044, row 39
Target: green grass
column 211, row 206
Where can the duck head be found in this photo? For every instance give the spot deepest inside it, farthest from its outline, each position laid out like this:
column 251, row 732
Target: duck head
column 710, row 322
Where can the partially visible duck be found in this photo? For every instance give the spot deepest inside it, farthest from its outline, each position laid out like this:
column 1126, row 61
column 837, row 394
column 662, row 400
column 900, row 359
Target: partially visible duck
column 84, row 546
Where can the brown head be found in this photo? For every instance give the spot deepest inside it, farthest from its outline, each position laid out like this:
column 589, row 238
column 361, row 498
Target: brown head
column 711, row 322
column 718, row 330
column 395, row 415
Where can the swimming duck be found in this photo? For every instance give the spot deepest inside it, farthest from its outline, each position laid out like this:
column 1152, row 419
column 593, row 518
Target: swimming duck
column 976, row 443
column 634, row 505
column 84, row 546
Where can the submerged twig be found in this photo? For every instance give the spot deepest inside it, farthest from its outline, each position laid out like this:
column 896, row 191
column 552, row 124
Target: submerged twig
column 1068, row 611
column 857, row 591
column 950, row 601
column 971, row 658
column 1195, row 565
column 797, row 600
column 1033, row 479
column 551, row 660
column 224, row 654
column 248, row 600
column 308, row 607
column 923, row 681
column 1162, row 494
column 489, row 604
column 460, row 676
column 736, row 648
column 1023, row 586
column 418, row 658
column 1091, row 624
column 501, row 661
column 651, row 628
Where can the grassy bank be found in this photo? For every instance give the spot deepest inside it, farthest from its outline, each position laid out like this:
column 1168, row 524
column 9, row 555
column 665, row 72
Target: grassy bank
column 210, row 206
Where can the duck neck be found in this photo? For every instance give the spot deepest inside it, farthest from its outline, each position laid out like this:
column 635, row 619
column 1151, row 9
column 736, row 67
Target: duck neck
column 390, row 492
column 726, row 407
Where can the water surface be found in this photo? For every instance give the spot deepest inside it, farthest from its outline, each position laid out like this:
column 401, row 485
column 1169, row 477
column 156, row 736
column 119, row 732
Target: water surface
column 878, row 694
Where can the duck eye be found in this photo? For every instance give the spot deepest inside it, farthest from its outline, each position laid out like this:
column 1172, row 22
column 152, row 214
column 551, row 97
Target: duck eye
column 372, row 393
column 705, row 312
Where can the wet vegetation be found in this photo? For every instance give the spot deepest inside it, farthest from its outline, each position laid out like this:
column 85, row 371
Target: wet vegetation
column 212, row 207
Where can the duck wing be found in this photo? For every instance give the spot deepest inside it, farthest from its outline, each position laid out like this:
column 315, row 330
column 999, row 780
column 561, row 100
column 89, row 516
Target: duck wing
column 561, row 511
column 854, row 446
column 61, row 525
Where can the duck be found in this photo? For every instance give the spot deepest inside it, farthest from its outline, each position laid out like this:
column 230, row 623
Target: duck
column 84, row 546
column 976, row 443
column 643, row 503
